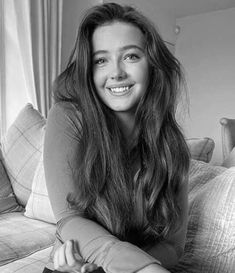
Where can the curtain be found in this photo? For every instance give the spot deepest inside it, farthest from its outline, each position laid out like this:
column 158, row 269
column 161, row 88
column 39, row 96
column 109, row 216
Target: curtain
column 46, row 27
column 2, row 71
column 30, row 55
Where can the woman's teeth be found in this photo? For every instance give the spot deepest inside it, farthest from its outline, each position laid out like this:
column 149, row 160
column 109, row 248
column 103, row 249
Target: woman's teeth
column 120, row 89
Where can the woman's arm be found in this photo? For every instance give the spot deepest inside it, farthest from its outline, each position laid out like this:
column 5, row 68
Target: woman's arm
column 62, row 153
column 169, row 252
column 67, row 259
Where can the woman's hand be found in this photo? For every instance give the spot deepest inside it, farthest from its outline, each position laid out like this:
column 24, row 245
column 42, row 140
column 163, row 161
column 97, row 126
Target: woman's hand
column 67, row 259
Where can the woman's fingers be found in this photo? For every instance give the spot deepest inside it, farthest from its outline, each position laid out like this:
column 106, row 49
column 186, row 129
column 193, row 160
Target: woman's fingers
column 88, row 268
column 67, row 258
column 70, row 253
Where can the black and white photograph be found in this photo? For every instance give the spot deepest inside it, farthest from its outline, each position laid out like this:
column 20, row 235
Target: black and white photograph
column 117, row 136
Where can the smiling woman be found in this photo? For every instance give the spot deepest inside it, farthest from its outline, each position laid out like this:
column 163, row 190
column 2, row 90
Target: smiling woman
column 116, row 162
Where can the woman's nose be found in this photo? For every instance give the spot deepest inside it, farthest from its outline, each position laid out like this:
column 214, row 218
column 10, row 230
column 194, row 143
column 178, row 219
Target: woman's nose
column 118, row 71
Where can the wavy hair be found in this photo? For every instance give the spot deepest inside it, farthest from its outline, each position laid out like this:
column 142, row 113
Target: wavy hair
column 143, row 210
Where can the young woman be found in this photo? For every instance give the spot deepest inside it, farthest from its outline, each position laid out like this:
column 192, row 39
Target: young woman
column 116, row 162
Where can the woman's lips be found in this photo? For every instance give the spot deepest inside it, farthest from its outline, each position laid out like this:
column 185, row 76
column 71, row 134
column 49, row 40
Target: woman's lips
column 120, row 90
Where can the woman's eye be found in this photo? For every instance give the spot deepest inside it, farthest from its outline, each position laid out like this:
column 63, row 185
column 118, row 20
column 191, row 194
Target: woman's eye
column 131, row 57
column 99, row 61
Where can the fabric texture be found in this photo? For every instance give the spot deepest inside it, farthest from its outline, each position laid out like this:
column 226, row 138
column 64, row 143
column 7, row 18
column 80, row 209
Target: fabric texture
column 8, row 201
column 211, row 229
column 33, row 263
column 38, row 205
column 21, row 149
column 21, row 236
column 201, row 148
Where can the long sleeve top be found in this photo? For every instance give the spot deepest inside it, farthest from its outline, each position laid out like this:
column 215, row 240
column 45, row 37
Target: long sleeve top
column 62, row 153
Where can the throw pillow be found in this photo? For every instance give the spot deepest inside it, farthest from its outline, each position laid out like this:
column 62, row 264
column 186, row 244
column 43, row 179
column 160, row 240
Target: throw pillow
column 38, row 205
column 210, row 236
column 21, row 149
column 201, row 148
column 7, row 198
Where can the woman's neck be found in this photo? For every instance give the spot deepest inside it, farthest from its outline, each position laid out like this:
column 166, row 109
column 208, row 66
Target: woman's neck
column 127, row 125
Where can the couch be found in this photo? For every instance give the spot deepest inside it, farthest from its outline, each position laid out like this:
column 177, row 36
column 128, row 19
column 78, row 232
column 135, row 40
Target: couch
column 27, row 223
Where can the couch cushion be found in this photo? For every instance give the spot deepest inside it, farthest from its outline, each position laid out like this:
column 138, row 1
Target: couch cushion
column 21, row 236
column 201, row 148
column 33, row 263
column 38, row 205
column 210, row 236
column 7, row 198
column 21, row 149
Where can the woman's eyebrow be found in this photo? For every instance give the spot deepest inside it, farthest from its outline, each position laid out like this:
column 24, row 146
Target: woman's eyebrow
column 131, row 47
column 99, row 52
column 121, row 49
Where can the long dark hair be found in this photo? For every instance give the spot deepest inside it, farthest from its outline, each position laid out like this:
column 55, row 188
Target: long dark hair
column 144, row 210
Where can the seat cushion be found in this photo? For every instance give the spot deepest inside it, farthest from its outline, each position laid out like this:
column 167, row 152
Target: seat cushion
column 33, row 263
column 21, row 236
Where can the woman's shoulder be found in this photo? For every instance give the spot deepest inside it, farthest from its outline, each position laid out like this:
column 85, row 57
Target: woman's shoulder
column 66, row 114
column 65, row 108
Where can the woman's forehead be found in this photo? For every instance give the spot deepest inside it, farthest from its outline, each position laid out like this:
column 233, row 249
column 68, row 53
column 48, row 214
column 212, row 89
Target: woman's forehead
column 117, row 35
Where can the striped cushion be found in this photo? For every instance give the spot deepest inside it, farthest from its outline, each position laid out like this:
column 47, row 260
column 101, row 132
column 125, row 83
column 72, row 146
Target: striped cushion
column 21, row 149
column 39, row 206
column 7, row 199
column 21, row 236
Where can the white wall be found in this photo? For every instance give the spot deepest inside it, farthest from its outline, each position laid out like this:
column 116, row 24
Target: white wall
column 206, row 48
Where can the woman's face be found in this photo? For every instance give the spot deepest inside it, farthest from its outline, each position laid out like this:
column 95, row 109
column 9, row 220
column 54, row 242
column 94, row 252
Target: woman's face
column 120, row 67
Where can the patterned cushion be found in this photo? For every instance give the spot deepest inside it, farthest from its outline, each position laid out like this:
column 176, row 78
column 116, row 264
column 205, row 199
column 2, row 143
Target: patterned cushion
column 7, row 199
column 201, row 148
column 39, row 206
column 21, row 236
column 21, row 149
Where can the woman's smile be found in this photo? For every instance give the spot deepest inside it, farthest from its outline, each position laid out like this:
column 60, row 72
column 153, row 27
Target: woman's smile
column 121, row 90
